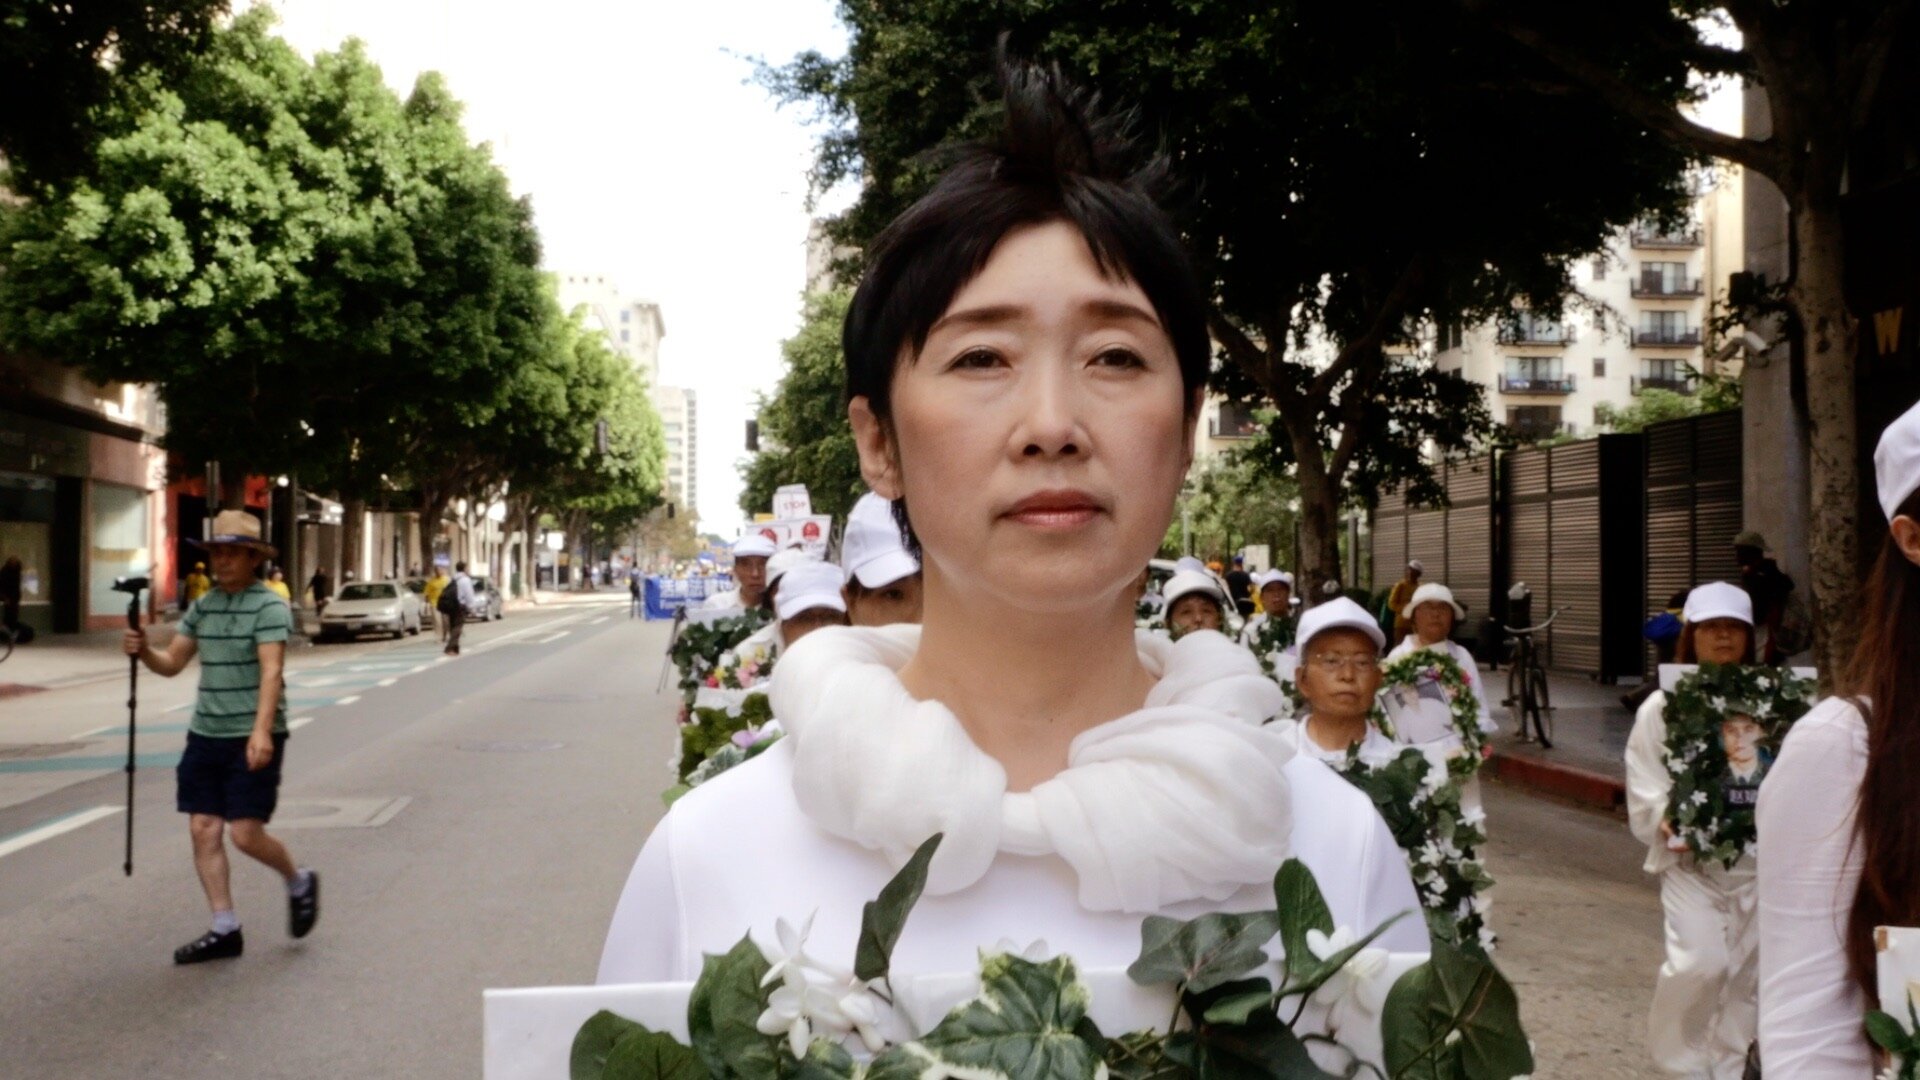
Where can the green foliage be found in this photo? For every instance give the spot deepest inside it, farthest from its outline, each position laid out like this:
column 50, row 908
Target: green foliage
column 1028, row 1022
column 1652, row 407
column 723, row 1013
column 882, row 920
column 712, row 730
column 1424, row 814
column 1200, row 954
column 1302, row 908
column 1898, row 1040
column 700, row 646
column 1454, row 1017
column 1230, row 501
column 1715, row 828
column 1346, row 174
column 68, row 59
column 804, row 434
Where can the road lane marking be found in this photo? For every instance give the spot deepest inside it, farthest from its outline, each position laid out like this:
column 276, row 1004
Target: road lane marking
column 148, row 728
column 47, row 830
column 386, row 682
column 299, row 722
column 601, row 619
column 348, row 700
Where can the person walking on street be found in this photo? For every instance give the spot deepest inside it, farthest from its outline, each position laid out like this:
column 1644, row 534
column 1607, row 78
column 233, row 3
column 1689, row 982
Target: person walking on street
column 462, row 587
column 637, row 606
column 1240, row 588
column 197, row 582
column 321, row 587
column 430, row 592
column 1401, row 596
column 277, row 583
column 229, row 775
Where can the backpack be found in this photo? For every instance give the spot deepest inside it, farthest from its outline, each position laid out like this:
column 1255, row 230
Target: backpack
column 449, row 602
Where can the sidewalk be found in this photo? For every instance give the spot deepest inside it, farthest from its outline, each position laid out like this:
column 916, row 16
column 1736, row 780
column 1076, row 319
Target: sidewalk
column 1588, row 761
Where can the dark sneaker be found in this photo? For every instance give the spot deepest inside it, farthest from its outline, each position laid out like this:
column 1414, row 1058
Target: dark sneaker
column 210, row 946
column 304, row 910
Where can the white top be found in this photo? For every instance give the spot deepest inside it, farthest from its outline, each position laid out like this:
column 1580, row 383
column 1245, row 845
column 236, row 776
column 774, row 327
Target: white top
column 1184, row 807
column 1375, row 749
column 1810, row 1010
column 1467, row 664
column 1649, row 784
column 721, row 601
column 1252, row 629
column 463, row 589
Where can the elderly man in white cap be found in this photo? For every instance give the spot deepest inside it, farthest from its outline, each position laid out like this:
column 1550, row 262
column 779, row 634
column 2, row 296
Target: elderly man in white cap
column 883, row 577
column 1704, row 1011
column 1273, row 626
column 1195, row 601
column 810, row 598
column 1339, row 675
column 750, row 555
column 229, row 773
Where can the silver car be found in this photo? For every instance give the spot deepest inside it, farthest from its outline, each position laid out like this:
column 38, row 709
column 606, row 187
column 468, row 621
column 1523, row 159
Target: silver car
column 371, row 607
column 487, row 603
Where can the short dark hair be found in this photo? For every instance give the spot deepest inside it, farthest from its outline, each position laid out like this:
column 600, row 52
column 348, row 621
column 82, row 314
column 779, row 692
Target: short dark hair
column 461, row 566
column 1057, row 157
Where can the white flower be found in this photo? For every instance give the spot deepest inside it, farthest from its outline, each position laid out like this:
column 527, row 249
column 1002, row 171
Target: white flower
column 1698, row 798
column 1475, row 816
column 1486, row 939
column 1034, row 952
column 1359, row 979
column 795, row 1009
column 1453, row 1037
column 788, row 959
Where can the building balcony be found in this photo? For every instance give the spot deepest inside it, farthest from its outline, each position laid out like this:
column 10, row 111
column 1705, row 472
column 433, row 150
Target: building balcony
column 1688, row 338
column 1678, row 385
column 1664, row 241
column 1533, row 431
column 1556, row 334
column 1512, row 385
column 1655, row 288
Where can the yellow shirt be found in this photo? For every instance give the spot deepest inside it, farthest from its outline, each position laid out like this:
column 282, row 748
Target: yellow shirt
column 435, row 586
column 280, row 590
column 197, row 586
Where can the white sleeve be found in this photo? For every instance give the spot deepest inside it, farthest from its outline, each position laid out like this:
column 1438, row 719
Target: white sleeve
column 1811, row 1011
column 1648, row 782
column 1390, row 891
column 1472, row 670
column 644, row 943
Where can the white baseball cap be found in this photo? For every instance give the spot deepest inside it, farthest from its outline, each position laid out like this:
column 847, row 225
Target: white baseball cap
column 1718, row 600
column 784, row 561
column 1186, row 563
column 1192, row 581
column 1432, row 590
column 753, row 545
column 1896, row 461
column 1415, row 564
column 1338, row 614
column 1272, row 577
column 873, row 552
column 807, row 585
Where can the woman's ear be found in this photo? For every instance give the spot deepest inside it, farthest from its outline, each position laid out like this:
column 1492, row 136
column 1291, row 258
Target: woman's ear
column 879, row 462
column 1906, row 536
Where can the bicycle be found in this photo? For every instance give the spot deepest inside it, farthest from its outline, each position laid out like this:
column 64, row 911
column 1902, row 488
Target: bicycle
column 1527, row 694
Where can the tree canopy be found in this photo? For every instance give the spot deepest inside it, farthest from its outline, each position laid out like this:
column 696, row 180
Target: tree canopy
column 804, row 435
column 1352, row 173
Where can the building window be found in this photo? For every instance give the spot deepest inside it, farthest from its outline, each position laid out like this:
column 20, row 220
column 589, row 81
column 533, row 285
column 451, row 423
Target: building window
column 1599, row 367
column 626, row 315
column 625, row 335
column 1534, row 368
column 1235, row 421
column 1667, row 328
column 1531, row 423
column 1599, row 268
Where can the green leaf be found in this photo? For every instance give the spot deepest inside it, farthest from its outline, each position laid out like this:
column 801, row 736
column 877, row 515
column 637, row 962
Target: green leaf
column 1238, row 1007
column 1302, row 908
column 721, row 1016
column 650, row 1055
column 594, row 1041
column 1331, row 966
column 882, row 920
column 1025, row 1025
column 1261, row 1050
column 1202, row 953
column 1454, row 992
column 825, row 1061
column 1888, row 1033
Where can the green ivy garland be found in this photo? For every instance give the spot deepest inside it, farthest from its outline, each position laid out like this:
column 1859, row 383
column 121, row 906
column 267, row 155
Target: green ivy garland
column 1697, row 808
column 1442, row 840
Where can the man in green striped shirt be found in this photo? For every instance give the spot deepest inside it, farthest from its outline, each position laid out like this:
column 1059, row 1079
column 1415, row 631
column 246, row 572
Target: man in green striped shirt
column 229, row 774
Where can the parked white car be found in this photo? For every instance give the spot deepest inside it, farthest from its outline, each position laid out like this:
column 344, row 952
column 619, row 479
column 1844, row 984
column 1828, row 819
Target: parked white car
column 372, row 607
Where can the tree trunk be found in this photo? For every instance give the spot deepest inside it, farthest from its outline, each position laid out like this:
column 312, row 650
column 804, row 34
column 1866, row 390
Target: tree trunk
column 433, row 507
column 1830, row 339
column 353, row 528
column 1319, row 553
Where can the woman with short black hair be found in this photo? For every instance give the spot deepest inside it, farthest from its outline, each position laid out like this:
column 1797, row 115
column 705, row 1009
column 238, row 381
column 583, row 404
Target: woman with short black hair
column 1026, row 359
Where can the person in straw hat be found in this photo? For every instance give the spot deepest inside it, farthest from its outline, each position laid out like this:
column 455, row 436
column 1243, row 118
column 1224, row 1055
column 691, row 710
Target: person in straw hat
column 229, row 774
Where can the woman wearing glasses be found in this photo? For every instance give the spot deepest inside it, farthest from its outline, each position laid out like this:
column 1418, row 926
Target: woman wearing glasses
column 1026, row 360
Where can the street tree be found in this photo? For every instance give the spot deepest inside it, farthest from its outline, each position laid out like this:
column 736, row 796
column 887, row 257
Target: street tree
column 1231, row 501
column 804, row 434
column 1824, row 68
column 60, row 62
column 1351, row 173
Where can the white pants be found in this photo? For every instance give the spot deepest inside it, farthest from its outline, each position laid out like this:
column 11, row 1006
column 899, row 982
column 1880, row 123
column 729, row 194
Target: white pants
column 1706, row 1002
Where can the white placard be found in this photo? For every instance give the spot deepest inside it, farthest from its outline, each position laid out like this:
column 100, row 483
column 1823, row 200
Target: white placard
column 808, row 533
column 791, row 501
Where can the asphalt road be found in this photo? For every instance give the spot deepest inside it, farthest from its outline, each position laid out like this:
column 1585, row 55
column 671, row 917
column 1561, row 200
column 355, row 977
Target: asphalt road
column 529, row 771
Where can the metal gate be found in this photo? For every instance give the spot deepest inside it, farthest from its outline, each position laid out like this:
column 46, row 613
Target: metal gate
column 1455, row 543
column 1694, row 505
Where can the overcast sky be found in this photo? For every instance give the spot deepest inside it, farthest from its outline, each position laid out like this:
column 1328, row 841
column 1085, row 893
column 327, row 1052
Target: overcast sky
column 648, row 155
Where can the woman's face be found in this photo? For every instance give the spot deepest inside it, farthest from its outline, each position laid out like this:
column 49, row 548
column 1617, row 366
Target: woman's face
column 1433, row 621
column 896, row 602
column 1041, row 435
column 1194, row 611
column 1339, row 674
column 1275, row 598
column 1720, row 641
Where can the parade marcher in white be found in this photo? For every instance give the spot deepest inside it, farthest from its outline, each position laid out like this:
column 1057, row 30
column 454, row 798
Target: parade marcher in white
column 883, row 577
column 1026, row 361
column 810, row 598
column 1195, row 601
column 1275, row 589
column 1704, row 1013
column 1839, row 844
column 1434, row 613
column 1339, row 675
column 750, row 555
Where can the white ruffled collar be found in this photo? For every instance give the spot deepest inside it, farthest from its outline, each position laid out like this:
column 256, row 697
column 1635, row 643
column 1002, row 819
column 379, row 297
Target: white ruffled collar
column 1185, row 799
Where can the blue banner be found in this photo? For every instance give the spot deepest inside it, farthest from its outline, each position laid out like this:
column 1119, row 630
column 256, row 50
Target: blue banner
column 666, row 596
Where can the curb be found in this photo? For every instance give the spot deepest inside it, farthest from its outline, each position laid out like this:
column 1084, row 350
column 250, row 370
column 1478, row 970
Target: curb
column 1570, row 782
